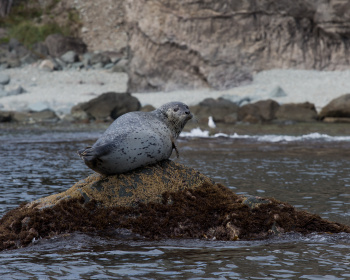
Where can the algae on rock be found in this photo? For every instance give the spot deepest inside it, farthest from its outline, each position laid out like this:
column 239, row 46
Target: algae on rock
column 164, row 200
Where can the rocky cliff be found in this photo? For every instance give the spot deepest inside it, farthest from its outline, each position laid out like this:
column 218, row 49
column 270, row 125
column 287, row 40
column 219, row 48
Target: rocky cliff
column 174, row 44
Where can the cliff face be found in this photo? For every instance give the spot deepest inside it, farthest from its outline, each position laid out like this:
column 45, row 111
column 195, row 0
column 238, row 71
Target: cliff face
column 217, row 44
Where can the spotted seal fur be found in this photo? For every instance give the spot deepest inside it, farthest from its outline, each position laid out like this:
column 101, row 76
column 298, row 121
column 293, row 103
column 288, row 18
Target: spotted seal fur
column 137, row 139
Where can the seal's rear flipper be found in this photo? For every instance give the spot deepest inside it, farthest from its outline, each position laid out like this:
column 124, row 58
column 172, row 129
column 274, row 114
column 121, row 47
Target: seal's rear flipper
column 86, row 153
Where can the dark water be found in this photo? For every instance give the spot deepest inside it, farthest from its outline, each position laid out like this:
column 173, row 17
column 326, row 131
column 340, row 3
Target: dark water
column 310, row 174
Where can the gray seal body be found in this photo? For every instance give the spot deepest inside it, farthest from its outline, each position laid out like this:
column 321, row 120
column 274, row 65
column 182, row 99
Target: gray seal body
column 137, row 139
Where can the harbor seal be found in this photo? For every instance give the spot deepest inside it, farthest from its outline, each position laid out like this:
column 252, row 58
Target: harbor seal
column 137, row 139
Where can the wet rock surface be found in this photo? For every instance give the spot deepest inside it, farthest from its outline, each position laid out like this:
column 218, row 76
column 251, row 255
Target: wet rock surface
column 107, row 106
column 337, row 108
column 165, row 200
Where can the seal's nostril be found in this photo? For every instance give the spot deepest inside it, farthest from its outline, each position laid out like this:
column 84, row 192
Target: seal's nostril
column 187, row 112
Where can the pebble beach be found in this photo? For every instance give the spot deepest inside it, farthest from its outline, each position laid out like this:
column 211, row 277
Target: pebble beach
column 60, row 90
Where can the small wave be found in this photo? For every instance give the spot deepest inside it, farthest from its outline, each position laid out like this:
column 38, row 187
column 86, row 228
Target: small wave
column 198, row 133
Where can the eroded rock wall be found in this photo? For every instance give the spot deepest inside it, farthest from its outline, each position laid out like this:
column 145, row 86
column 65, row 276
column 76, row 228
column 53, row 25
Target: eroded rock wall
column 217, row 44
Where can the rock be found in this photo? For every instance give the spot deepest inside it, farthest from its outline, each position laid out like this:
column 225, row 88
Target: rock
column 120, row 66
column 28, row 59
column 231, row 118
column 301, row 112
column 22, row 117
column 336, row 120
column 337, row 108
column 86, row 59
column 48, row 65
column 100, row 58
column 40, row 50
column 14, row 90
column 147, row 108
column 17, row 49
column 13, row 62
column 217, row 108
column 239, row 100
column 107, row 106
column 5, row 116
column 38, row 107
column 44, row 116
column 4, row 79
column 164, row 200
column 58, row 45
column 277, row 92
column 195, row 45
column 70, row 57
column 261, row 111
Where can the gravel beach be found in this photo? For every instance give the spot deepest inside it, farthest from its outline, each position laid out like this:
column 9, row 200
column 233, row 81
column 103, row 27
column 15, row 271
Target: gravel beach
column 60, row 90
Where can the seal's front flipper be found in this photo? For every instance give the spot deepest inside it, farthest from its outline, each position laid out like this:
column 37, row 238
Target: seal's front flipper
column 175, row 148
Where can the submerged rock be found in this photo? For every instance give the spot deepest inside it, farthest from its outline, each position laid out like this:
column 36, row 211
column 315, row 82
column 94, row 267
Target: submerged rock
column 165, row 200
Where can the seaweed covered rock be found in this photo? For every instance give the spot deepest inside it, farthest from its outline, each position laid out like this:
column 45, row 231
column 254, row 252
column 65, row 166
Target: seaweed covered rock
column 165, row 200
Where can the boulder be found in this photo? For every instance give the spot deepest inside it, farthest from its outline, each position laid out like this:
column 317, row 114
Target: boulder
column 300, row 112
column 48, row 65
column 107, row 106
column 261, row 111
column 5, row 116
column 219, row 109
column 337, row 108
column 100, row 58
column 277, row 92
column 3, row 92
column 120, row 66
column 336, row 120
column 70, row 57
column 44, row 116
column 40, row 50
column 147, row 108
column 58, row 45
column 164, row 200
column 14, row 90
column 17, row 49
column 38, row 106
column 4, row 79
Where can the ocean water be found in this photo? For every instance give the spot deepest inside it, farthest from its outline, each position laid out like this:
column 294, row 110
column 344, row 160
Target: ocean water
column 310, row 171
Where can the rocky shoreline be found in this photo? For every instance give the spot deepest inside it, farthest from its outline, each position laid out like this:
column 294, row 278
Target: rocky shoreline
column 73, row 85
column 110, row 105
column 59, row 80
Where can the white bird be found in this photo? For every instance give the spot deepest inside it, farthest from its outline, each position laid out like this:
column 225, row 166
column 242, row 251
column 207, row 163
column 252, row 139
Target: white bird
column 211, row 122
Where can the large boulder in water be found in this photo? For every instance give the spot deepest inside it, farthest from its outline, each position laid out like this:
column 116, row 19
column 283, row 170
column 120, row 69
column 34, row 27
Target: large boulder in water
column 261, row 111
column 219, row 109
column 298, row 112
column 337, row 108
column 165, row 200
column 107, row 106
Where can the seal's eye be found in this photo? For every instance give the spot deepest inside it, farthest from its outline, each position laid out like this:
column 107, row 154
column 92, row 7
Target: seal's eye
column 176, row 109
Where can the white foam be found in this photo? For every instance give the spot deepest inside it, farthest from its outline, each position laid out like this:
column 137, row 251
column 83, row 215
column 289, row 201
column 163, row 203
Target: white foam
column 195, row 132
column 198, row 133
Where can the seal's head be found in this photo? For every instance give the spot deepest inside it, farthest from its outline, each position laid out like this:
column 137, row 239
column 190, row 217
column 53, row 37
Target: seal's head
column 175, row 115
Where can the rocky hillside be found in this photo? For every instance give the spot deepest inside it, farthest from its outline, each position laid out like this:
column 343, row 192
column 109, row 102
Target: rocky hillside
column 215, row 44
